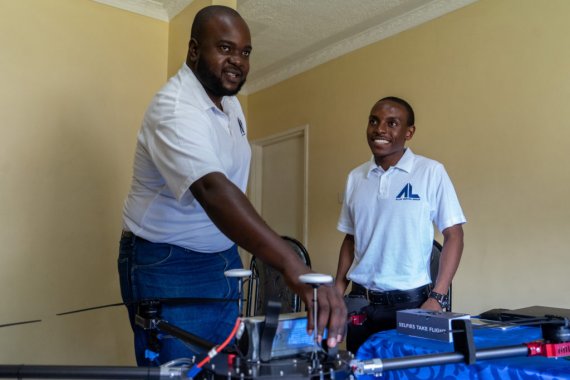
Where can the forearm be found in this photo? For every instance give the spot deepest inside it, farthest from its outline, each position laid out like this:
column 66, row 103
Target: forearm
column 450, row 257
column 230, row 210
column 345, row 259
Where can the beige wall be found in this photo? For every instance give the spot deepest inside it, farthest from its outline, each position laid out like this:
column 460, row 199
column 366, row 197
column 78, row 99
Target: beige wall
column 75, row 78
column 489, row 84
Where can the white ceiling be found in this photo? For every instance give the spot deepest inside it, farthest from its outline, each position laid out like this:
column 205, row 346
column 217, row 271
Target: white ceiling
column 292, row 36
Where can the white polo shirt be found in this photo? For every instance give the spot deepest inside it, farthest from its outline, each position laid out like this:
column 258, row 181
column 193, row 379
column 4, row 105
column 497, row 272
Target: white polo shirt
column 183, row 137
column 391, row 215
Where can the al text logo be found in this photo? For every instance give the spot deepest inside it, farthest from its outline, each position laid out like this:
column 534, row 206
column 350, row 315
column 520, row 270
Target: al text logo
column 407, row 194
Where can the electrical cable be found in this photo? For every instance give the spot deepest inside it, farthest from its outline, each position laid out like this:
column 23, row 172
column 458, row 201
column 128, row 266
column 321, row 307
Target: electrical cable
column 214, row 351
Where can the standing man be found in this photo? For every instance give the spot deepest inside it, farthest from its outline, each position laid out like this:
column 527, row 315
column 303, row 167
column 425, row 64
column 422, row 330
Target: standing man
column 389, row 209
column 186, row 209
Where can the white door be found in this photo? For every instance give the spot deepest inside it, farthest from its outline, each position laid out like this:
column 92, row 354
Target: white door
column 278, row 182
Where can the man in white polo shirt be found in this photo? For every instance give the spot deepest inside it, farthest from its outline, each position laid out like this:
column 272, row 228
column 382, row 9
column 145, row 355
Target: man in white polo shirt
column 390, row 205
column 186, row 210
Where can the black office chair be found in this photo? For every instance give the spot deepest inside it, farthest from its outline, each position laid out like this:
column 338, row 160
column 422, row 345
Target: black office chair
column 434, row 267
column 267, row 283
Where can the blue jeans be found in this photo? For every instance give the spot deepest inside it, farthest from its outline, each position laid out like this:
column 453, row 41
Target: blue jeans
column 157, row 271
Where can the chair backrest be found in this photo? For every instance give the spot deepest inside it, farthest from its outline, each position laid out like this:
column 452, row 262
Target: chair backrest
column 267, row 283
column 434, row 267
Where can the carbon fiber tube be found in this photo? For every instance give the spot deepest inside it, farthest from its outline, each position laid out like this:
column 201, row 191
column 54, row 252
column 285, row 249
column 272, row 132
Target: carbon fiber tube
column 82, row 372
column 191, row 339
column 452, row 357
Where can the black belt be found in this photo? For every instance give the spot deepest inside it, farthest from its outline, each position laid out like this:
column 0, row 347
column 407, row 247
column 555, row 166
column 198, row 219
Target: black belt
column 127, row 234
column 391, row 297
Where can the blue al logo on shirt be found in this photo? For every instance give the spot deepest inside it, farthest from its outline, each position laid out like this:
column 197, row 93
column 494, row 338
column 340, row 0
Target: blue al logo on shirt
column 407, row 194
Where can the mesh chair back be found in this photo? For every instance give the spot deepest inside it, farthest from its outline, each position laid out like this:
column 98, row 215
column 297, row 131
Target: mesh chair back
column 268, row 283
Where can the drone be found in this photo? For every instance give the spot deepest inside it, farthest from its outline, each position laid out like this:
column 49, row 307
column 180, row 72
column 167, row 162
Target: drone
column 260, row 347
column 276, row 346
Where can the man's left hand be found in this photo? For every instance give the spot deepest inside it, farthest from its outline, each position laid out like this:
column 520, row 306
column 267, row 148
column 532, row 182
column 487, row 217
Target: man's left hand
column 431, row 304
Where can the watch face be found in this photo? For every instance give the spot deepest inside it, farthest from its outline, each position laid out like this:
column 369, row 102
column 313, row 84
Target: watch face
column 442, row 299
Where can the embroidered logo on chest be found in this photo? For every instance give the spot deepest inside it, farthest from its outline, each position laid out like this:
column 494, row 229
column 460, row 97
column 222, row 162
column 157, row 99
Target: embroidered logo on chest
column 407, row 194
column 241, row 127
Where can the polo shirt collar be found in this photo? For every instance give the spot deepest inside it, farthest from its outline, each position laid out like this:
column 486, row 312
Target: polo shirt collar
column 405, row 163
column 200, row 93
column 371, row 167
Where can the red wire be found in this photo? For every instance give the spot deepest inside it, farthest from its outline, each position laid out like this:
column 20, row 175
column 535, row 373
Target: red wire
column 220, row 347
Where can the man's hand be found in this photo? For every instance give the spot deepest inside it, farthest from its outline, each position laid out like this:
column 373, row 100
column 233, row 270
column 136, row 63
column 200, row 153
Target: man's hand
column 431, row 304
column 331, row 313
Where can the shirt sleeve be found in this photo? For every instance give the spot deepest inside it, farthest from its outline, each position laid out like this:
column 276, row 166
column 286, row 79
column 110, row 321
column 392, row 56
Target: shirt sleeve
column 345, row 220
column 448, row 211
column 183, row 147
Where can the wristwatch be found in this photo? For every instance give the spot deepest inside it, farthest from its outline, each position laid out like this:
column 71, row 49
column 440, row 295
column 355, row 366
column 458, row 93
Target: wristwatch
column 442, row 299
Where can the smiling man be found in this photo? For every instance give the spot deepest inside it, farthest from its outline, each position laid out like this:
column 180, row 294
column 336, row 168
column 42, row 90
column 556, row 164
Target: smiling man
column 389, row 208
column 186, row 211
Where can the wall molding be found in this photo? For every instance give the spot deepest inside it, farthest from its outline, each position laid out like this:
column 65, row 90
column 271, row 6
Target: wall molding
column 379, row 32
column 160, row 10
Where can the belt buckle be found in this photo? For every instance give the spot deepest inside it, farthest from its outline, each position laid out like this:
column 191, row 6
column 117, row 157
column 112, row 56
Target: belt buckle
column 368, row 298
column 380, row 298
column 400, row 298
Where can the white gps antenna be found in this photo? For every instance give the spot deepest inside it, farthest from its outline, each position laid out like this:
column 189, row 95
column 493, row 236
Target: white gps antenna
column 240, row 274
column 315, row 280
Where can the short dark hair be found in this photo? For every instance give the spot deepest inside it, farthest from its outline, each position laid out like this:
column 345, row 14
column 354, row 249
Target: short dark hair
column 403, row 103
column 206, row 14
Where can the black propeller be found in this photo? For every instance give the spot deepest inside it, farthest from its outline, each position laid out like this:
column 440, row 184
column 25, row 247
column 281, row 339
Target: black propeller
column 20, row 323
column 163, row 301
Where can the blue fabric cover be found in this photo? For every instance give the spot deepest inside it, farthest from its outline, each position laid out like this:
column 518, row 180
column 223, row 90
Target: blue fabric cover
column 390, row 344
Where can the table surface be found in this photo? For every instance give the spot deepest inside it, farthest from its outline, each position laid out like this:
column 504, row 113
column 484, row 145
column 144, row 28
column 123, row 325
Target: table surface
column 390, row 344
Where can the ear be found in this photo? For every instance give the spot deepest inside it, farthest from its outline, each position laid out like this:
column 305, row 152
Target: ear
column 410, row 132
column 192, row 51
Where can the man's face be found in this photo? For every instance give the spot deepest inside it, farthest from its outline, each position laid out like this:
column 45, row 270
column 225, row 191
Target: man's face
column 387, row 132
column 222, row 57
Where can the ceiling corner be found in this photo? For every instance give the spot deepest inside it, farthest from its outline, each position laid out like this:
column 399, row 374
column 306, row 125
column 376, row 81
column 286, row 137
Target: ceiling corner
column 163, row 10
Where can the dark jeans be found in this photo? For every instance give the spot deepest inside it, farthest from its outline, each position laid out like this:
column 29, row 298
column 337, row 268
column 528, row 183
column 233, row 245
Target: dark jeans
column 155, row 270
column 378, row 318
